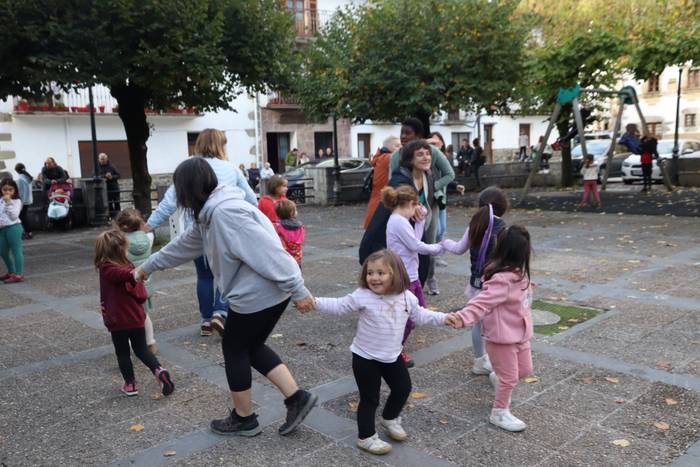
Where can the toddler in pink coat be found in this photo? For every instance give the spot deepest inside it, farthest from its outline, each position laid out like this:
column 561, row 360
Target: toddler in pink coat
column 504, row 309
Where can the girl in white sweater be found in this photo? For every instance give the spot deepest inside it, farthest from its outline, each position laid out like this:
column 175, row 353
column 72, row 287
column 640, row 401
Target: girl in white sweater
column 11, row 232
column 384, row 305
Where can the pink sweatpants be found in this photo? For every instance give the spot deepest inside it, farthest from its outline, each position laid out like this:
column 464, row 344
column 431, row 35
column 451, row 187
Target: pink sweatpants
column 590, row 185
column 510, row 362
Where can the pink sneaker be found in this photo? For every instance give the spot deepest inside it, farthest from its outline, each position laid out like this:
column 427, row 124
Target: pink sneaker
column 14, row 278
column 163, row 377
column 130, row 389
column 5, row 276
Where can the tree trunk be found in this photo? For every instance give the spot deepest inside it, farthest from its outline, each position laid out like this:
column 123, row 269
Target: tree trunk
column 132, row 102
column 424, row 117
column 567, row 176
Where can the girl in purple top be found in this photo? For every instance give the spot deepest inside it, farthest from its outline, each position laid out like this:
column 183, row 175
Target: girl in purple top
column 404, row 239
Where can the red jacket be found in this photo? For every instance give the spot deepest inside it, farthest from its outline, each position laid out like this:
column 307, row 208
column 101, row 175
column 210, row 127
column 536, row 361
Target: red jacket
column 121, row 298
column 267, row 205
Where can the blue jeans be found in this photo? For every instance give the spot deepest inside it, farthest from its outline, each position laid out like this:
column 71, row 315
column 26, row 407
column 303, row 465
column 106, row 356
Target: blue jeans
column 442, row 225
column 209, row 298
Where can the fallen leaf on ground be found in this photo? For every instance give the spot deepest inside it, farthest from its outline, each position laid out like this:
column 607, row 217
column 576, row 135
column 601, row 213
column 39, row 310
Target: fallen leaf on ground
column 418, row 395
column 563, row 328
column 572, row 320
column 444, row 422
column 301, row 344
column 138, row 427
column 619, row 401
column 612, row 380
column 664, row 364
column 169, row 453
column 276, row 336
column 433, row 308
column 156, row 396
column 621, row 442
column 670, row 401
column 662, row 425
column 532, row 379
column 353, row 406
column 587, row 380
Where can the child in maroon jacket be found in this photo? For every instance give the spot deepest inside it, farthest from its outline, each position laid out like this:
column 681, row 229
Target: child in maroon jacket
column 290, row 230
column 122, row 299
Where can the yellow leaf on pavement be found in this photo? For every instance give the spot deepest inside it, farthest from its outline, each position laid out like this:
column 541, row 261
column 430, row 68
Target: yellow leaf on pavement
column 169, row 453
column 612, row 380
column 532, row 379
column 664, row 365
column 138, row 427
column 156, row 396
column 587, row 380
column 418, row 395
column 670, row 401
column 621, row 442
column 563, row 328
column 662, row 425
column 353, row 406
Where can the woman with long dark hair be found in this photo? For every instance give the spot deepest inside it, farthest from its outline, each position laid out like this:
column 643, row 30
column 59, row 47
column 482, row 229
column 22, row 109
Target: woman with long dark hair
column 257, row 279
column 24, row 185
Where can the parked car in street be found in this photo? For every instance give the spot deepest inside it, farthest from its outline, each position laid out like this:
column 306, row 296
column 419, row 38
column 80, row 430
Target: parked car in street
column 632, row 166
column 599, row 149
column 352, row 175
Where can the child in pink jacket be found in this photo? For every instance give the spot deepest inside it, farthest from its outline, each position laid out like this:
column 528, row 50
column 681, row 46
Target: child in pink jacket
column 290, row 230
column 504, row 309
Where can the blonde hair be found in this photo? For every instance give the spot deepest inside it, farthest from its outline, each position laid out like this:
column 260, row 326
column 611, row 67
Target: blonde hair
column 396, row 197
column 399, row 275
column 390, row 140
column 285, row 209
column 111, row 246
column 129, row 220
column 211, row 143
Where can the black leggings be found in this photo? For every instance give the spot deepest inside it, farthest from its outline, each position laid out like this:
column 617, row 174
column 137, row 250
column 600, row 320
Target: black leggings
column 137, row 337
column 23, row 219
column 646, row 175
column 244, row 346
column 368, row 375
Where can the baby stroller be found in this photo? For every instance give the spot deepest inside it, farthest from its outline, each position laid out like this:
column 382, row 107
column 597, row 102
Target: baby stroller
column 59, row 212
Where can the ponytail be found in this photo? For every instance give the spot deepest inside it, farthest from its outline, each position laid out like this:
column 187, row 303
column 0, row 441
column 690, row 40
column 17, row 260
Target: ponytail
column 478, row 226
column 22, row 170
column 395, row 197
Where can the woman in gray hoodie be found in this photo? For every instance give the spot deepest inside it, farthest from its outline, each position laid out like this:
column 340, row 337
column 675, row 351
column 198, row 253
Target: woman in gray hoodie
column 257, row 278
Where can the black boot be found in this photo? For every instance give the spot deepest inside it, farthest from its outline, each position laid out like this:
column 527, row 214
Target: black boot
column 298, row 407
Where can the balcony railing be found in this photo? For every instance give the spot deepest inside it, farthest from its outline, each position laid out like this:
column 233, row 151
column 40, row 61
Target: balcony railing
column 79, row 102
column 277, row 100
column 308, row 21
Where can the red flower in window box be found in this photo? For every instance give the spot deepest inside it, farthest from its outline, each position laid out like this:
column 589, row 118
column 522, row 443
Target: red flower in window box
column 102, row 109
column 23, row 106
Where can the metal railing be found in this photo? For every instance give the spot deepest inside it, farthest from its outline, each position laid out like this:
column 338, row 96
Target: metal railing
column 308, row 22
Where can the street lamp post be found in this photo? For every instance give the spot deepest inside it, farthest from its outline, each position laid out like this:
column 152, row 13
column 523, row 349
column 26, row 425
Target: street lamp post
column 675, row 133
column 336, row 165
column 97, row 185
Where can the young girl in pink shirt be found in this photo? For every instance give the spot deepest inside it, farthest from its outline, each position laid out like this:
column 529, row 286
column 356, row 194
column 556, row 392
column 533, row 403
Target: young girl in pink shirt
column 504, row 309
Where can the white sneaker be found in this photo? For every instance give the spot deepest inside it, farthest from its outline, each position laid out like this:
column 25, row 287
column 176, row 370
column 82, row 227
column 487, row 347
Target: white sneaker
column 433, row 287
column 394, row 428
column 441, row 262
column 504, row 419
column 482, row 365
column 374, row 445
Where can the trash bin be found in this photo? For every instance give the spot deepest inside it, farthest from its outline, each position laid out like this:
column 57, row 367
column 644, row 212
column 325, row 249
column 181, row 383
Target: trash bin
column 95, row 198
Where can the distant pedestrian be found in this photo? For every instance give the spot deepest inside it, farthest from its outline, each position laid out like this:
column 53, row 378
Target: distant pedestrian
column 265, row 174
column 649, row 154
column 253, row 176
column 111, row 176
column 243, row 170
column 24, row 185
column 383, row 307
column 131, row 223
column 321, row 154
column 11, row 232
column 304, row 159
column 631, row 139
column 589, row 171
column 122, row 299
column 478, row 159
column 52, row 174
column 523, row 143
column 464, row 156
column 290, row 230
column 277, row 187
column 380, row 174
column 291, row 159
column 329, row 152
column 480, row 238
column 546, row 155
column 504, row 308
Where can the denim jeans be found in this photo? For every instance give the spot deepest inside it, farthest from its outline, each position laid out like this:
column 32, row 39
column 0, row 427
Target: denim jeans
column 442, row 225
column 209, row 298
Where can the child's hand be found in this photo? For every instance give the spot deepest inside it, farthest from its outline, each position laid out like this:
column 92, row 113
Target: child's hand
column 454, row 320
column 139, row 275
column 305, row 305
column 460, row 189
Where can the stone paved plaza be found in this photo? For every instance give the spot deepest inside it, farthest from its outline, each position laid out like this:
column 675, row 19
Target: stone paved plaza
column 632, row 373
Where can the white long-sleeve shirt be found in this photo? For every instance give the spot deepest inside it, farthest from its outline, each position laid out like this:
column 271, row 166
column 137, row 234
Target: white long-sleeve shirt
column 382, row 320
column 9, row 212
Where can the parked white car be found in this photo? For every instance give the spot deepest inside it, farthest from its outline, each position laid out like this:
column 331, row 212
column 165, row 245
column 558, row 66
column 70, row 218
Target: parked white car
column 632, row 166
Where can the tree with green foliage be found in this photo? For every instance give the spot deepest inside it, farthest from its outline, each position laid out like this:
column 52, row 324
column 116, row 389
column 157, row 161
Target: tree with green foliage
column 387, row 60
column 150, row 53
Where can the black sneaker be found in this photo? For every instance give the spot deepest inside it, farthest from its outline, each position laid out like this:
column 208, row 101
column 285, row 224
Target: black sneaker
column 234, row 426
column 298, row 410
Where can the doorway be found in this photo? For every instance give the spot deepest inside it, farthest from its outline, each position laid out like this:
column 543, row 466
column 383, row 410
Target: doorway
column 277, row 149
column 488, row 142
column 457, row 138
column 322, row 140
column 364, row 141
column 117, row 151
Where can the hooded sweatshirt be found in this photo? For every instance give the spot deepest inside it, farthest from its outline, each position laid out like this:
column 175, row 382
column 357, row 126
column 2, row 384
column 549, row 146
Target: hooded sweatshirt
column 291, row 232
column 140, row 244
column 504, row 308
column 250, row 266
column 121, row 298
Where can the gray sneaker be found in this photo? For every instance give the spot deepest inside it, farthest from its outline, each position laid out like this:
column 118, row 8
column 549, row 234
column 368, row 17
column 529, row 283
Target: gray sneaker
column 234, row 426
column 297, row 411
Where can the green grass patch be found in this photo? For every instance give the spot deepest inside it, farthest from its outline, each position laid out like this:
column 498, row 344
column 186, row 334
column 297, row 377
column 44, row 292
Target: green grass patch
column 570, row 316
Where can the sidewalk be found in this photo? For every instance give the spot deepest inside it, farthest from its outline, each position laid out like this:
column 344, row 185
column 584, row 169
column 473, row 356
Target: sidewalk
column 621, row 389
